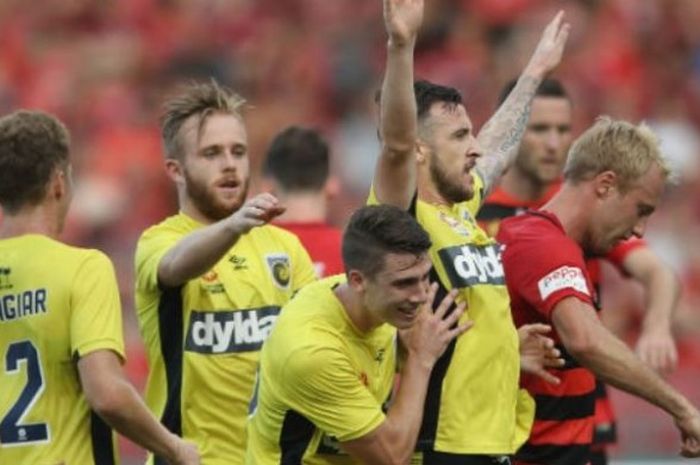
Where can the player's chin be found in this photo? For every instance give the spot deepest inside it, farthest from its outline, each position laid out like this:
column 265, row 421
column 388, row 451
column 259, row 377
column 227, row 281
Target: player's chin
column 404, row 318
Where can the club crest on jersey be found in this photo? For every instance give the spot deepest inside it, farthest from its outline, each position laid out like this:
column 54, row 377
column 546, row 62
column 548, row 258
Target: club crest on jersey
column 454, row 223
column 467, row 265
column 278, row 264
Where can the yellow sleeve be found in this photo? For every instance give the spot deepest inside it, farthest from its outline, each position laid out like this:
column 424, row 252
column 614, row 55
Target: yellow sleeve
column 303, row 271
column 96, row 314
column 372, row 197
column 151, row 248
column 324, row 387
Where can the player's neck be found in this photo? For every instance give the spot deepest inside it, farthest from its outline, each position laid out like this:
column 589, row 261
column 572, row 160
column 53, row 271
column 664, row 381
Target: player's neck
column 304, row 207
column 188, row 208
column 428, row 192
column 360, row 317
column 572, row 209
column 522, row 187
column 35, row 220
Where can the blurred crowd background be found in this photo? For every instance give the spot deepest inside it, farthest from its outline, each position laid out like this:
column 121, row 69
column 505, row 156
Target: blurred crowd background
column 104, row 67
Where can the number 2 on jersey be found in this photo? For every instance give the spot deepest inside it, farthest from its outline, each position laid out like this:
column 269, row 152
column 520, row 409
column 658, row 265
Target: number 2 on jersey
column 12, row 433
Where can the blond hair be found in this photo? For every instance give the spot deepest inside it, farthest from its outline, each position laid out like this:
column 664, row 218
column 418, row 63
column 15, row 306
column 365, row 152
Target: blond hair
column 618, row 146
column 200, row 99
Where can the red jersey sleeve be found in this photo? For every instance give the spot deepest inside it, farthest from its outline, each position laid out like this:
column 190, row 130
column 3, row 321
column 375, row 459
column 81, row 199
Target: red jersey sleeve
column 617, row 254
column 545, row 270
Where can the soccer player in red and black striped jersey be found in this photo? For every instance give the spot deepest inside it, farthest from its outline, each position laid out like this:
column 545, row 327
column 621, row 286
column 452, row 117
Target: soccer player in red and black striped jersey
column 613, row 180
column 532, row 180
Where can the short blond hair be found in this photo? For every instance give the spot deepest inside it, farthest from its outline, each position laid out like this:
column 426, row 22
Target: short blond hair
column 626, row 149
column 201, row 99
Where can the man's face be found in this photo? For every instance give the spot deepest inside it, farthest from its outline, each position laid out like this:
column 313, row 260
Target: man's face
column 216, row 166
column 621, row 216
column 546, row 141
column 397, row 292
column 452, row 151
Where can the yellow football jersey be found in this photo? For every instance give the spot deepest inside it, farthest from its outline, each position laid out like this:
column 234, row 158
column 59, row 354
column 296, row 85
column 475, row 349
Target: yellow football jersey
column 473, row 405
column 203, row 338
column 57, row 304
column 321, row 381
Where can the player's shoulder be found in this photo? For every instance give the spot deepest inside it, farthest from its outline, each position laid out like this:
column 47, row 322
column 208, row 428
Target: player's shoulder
column 63, row 255
column 532, row 226
column 175, row 224
column 272, row 234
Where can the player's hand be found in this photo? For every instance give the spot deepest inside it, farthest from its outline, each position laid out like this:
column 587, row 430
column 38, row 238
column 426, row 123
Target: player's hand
column 186, row 453
column 549, row 50
column 402, row 19
column 689, row 426
column 432, row 332
column 256, row 211
column 537, row 352
column 657, row 349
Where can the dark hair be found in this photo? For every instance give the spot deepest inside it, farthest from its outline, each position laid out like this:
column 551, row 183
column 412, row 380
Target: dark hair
column 200, row 99
column 33, row 145
column 376, row 230
column 298, row 159
column 427, row 93
column 547, row 88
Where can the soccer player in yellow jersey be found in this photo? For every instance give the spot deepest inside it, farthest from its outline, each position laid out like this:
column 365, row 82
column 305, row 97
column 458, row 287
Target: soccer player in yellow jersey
column 211, row 279
column 61, row 345
column 433, row 165
column 327, row 370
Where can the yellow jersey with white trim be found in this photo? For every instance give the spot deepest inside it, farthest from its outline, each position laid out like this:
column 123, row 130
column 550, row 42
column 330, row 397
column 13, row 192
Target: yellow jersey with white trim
column 57, row 304
column 474, row 405
column 203, row 338
column 321, row 381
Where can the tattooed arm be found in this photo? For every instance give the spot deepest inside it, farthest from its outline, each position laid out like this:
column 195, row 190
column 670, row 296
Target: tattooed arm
column 500, row 136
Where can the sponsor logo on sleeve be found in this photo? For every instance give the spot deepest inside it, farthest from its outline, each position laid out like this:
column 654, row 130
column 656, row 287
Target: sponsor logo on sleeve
column 564, row 277
column 229, row 331
column 468, row 265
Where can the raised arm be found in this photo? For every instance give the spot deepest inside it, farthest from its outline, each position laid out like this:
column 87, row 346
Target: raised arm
column 199, row 251
column 114, row 399
column 500, row 136
column 596, row 348
column 656, row 346
column 395, row 175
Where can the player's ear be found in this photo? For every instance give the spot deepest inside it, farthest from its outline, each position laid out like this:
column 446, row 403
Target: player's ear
column 59, row 184
column 174, row 170
column 332, row 187
column 422, row 151
column 605, row 183
column 356, row 280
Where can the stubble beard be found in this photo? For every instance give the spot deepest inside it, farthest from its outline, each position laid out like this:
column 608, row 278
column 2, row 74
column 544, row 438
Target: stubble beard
column 206, row 202
column 451, row 191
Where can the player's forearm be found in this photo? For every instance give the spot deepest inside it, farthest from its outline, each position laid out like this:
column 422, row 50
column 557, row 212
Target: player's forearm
column 614, row 363
column 398, row 107
column 196, row 253
column 500, row 137
column 662, row 293
column 122, row 409
column 405, row 415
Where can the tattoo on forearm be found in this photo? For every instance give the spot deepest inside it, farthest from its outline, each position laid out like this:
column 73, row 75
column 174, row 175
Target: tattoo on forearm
column 504, row 130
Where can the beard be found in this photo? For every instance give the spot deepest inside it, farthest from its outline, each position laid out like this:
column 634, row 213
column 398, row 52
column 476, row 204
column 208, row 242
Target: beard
column 206, row 201
column 450, row 190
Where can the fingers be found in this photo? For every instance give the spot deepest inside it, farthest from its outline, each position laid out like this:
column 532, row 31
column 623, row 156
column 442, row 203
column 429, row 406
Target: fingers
column 548, row 377
column 539, row 328
column 446, row 303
